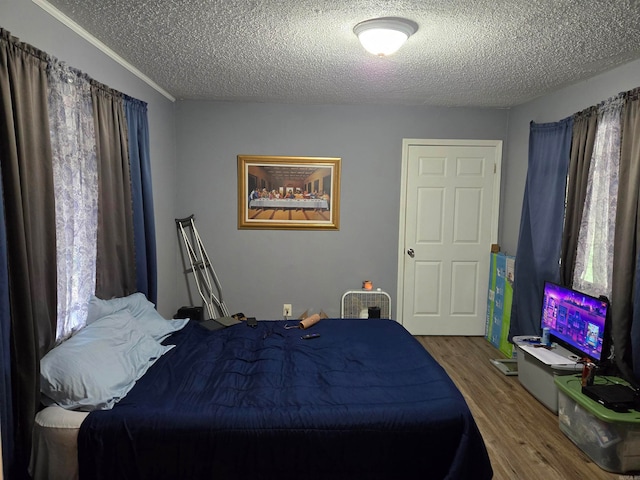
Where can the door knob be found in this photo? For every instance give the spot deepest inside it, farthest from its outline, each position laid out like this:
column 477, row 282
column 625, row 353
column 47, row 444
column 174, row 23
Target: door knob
column 411, row 253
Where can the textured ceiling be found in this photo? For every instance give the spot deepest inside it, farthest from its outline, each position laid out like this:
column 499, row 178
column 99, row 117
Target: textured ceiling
column 493, row 53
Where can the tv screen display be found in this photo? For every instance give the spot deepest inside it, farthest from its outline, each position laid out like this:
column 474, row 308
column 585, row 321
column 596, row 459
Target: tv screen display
column 575, row 320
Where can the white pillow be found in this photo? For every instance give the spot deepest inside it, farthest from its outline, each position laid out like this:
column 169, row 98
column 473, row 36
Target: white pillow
column 147, row 317
column 98, row 366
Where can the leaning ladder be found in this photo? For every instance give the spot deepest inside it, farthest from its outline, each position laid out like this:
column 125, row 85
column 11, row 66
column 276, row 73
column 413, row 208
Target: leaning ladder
column 205, row 277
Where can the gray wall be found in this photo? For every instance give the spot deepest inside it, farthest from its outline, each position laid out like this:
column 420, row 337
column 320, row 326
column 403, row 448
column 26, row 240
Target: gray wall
column 33, row 25
column 262, row 269
column 550, row 108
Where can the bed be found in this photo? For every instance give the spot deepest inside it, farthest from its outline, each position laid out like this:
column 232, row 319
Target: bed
column 362, row 400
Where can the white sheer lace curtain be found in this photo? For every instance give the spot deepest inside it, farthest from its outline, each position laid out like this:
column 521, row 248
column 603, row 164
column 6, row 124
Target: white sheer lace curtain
column 594, row 256
column 75, row 172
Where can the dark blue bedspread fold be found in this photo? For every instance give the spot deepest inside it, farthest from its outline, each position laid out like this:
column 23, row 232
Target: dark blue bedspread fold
column 363, row 401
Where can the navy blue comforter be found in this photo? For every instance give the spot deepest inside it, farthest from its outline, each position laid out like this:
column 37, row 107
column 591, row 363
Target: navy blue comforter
column 363, row 401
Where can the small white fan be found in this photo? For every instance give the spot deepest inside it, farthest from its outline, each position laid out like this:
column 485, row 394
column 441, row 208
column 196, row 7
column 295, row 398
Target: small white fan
column 356, row 303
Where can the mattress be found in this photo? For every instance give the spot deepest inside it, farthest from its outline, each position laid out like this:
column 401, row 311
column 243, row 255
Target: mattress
column 362, row 400
column 54, row 453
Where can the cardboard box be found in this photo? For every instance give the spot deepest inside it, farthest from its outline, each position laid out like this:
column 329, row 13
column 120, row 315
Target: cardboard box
column 500, row 296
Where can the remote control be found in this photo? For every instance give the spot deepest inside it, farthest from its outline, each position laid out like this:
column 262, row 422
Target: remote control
column 309, row 336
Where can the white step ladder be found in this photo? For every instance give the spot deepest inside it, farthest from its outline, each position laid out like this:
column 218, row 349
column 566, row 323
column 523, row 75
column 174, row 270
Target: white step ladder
column 200, row 266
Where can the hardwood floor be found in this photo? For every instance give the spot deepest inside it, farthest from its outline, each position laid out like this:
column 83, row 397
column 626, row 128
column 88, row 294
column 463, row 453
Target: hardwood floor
column 522, row 436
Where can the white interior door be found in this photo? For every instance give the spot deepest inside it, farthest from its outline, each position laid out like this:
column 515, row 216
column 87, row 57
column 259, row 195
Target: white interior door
column 448, row 221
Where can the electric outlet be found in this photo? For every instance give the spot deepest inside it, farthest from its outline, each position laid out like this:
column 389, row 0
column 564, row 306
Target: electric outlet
column 286, row 310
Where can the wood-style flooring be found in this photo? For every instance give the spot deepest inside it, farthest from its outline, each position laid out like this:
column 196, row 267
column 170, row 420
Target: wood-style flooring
column 522, row 436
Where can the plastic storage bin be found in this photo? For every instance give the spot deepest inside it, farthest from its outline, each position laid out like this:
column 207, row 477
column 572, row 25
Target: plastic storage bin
column 610, row 439
column 537, row 377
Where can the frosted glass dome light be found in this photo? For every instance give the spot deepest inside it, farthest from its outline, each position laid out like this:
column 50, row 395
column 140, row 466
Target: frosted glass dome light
column 384, row 36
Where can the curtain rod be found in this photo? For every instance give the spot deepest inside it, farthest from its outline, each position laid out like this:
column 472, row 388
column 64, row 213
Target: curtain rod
column 61, row 17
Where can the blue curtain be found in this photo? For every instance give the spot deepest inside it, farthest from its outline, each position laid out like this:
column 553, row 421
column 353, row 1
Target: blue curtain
column 6, row 405
column 143, row 217
column 540, row 240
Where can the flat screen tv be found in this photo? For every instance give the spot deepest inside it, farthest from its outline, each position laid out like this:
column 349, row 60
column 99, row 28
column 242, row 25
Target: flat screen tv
column 576, row 321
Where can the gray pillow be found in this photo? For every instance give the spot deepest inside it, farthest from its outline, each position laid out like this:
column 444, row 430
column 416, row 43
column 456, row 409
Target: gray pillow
column 147, row 317
column 98, row 365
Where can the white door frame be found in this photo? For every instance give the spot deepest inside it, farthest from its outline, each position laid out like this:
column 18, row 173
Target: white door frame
column 406, row 143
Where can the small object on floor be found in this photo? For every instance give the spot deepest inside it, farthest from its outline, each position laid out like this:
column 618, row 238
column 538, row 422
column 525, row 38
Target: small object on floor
column 508, row 366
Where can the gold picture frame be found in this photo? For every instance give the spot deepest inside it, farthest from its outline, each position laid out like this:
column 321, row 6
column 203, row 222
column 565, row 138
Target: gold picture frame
column 290, row 193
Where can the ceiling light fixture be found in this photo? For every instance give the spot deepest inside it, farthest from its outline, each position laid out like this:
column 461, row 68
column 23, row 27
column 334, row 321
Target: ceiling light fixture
column 384, row 36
